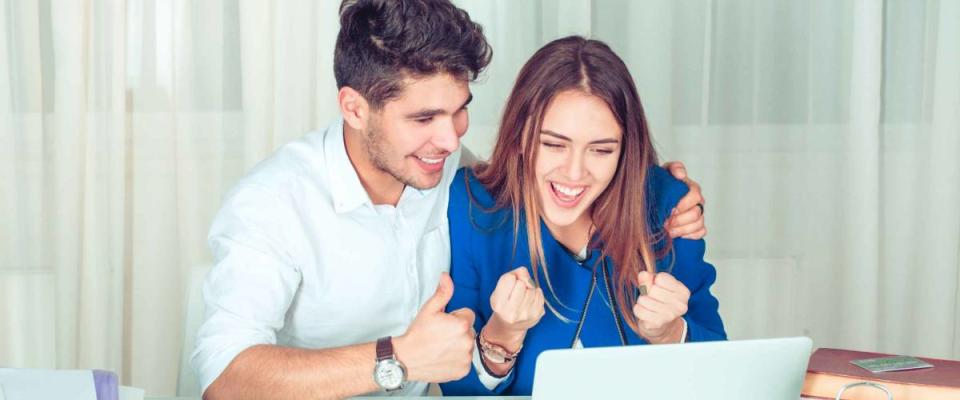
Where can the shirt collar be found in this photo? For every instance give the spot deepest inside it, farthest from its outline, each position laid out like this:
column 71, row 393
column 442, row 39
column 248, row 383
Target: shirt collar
column 345, row 187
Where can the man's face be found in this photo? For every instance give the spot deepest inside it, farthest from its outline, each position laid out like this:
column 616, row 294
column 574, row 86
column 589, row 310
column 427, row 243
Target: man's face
column 411, row 136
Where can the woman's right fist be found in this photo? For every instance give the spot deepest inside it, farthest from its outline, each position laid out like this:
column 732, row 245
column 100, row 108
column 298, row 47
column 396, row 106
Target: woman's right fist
column 516, row 302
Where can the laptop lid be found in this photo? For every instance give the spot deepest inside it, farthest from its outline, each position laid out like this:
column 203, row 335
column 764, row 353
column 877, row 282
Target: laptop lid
column 745, row 369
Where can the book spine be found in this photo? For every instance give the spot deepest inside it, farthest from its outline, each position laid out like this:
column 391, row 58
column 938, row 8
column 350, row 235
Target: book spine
column 827, row 385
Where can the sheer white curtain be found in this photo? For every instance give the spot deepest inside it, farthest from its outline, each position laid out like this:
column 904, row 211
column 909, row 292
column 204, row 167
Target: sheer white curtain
column 122, row 123
column 824, row 134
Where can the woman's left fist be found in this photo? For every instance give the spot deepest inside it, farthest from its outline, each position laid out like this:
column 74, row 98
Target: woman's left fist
column 660, row 312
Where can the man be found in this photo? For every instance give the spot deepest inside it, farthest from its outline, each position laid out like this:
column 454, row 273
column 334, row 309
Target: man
column 331, row 254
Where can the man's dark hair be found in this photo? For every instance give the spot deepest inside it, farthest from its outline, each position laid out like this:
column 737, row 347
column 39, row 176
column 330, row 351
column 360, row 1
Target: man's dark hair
column 381, row 42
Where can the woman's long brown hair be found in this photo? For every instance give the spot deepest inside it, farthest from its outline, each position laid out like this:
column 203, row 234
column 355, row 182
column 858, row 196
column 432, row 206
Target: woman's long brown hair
column 620, row 213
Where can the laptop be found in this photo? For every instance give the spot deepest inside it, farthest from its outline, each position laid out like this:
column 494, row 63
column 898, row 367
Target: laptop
column 745, row 369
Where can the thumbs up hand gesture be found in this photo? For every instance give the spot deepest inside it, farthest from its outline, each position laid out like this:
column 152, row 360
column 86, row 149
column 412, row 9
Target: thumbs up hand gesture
column 438, row 346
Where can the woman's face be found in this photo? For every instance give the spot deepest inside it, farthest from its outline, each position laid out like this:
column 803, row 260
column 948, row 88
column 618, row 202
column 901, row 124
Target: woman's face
column 580, row 143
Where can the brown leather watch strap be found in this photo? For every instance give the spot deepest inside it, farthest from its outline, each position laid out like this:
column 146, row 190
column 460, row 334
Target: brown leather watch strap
column 384, row 348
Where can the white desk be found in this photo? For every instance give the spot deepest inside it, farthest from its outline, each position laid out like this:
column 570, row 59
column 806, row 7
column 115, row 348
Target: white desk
column 401, row 398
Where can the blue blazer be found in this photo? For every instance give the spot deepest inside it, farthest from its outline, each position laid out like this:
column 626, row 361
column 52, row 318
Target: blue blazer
column 482, row 249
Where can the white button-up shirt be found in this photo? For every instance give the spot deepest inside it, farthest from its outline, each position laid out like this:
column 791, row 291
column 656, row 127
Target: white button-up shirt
column 305, row 259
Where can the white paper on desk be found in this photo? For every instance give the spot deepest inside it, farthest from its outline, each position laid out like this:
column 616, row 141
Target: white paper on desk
column 42, row 384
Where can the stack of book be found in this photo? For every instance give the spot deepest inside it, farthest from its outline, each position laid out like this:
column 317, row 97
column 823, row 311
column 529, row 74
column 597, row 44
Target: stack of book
column 905, row 377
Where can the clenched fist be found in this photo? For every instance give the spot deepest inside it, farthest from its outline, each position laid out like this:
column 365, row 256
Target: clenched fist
column 517, row 306
column 660, row 312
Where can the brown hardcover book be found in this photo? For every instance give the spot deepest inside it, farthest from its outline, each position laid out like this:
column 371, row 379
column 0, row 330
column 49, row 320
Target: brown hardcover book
column 830, row 369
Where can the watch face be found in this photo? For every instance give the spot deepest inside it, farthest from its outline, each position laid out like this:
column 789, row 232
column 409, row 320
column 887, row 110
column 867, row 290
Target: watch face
column 495, row 356
column 389, row 374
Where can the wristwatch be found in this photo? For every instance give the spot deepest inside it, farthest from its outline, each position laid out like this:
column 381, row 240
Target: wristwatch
column 389, row 374
column 494, row 353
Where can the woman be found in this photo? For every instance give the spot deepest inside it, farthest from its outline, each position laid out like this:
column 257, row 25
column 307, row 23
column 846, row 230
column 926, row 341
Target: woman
column 557, row 241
